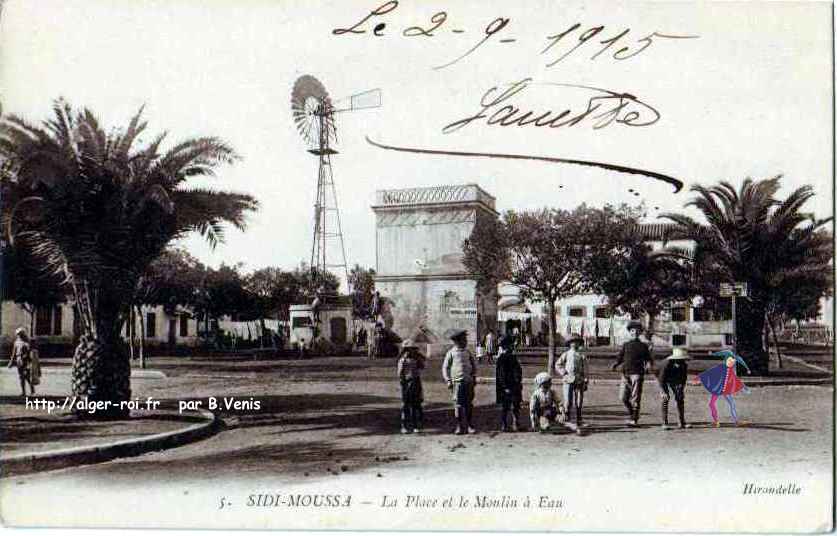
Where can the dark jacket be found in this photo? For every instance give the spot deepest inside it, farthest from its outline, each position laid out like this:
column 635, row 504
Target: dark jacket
column 633, row 356
column 673, row 371
column 509, row 376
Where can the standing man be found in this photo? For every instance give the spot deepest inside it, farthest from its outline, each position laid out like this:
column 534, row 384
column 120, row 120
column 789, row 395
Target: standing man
column 378, row 349
column 490, row 346
column 22, row 359
column 376, row 305
column 315, row 307
column 635, row 358
column 460, row 373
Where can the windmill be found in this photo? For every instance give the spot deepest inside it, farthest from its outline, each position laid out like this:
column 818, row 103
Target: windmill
column 313, row 112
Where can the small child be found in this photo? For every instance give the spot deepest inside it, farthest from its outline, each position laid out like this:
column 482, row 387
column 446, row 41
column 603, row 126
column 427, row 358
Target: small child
column 509, row 383
column 572, row 366
column 410, row 365
column 544, row 402
column 672, row 380
column 460, row 373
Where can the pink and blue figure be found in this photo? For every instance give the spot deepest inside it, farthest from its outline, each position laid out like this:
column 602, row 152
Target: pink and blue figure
column 721, row 380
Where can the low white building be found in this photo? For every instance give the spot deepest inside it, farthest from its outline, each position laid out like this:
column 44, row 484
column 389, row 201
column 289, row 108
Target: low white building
column 57, row 324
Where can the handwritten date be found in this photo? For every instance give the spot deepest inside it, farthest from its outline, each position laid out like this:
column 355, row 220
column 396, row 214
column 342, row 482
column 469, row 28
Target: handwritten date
column 561, row 44
column 623, row 53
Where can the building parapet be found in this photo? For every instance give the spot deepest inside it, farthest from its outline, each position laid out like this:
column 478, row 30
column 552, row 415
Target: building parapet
column 447, row 194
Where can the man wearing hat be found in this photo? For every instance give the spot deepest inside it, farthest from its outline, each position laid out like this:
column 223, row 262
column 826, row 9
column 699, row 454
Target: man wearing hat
column 672, row 379
column 635, row 358
column 460, row 373
column 410, row 365
column 572, row 365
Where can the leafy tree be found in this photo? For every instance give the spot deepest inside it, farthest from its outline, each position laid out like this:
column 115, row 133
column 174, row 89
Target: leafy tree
column 225, row 292
column 174, row 278
column 640, row 281
column 796, row 294
column 276, row 289
column 97, row 208
column 486, row 257
column 555, row 253
column 486, row 252
column 751, row 236
column 28, row 285
column 362, row 281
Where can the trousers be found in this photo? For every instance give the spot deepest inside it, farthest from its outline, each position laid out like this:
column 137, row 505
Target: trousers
column 573, row 398
column 630, row 393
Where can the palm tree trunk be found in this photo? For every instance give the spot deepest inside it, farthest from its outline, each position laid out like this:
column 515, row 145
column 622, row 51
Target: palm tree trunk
column 101, row 370
column 550, row 311
column 31, row 311
column 750, row 334
column 772, row 325
column 141, row 338
column 131, row 333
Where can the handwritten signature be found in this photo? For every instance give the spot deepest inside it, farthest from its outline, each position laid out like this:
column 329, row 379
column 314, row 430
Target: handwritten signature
column 602, row 108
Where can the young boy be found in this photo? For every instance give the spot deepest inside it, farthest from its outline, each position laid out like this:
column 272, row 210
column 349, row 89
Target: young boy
column 460, row 373
column 544, row 403
column 22, row 359
column 572, row 366
column 509, row 382
column 410, row 365
column 672, row 380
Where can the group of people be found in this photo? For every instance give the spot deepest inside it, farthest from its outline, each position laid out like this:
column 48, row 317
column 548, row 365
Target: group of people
column 546, row 406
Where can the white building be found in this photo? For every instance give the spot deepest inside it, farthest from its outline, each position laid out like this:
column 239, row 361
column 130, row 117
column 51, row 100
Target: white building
column 57, row 324
column 588, row 315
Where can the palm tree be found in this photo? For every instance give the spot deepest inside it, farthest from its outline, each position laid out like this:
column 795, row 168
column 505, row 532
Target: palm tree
column 97, row 208
column 751, row 236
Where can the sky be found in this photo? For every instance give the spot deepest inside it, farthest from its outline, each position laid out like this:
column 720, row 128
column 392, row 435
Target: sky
column 750, row 96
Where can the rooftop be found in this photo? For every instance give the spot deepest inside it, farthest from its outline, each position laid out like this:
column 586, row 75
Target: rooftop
column 451, row 193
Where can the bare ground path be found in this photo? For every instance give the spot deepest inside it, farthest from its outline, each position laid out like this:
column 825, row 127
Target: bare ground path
column 331, row 426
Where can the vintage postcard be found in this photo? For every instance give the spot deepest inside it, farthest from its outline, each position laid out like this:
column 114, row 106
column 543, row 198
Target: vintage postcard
column 417, row 265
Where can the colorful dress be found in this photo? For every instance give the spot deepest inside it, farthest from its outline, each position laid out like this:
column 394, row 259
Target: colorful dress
column 722, row 380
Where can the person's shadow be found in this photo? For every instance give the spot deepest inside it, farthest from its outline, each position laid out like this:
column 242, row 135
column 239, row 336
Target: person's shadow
column 778, row 426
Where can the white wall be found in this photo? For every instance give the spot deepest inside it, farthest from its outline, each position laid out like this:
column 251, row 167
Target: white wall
column 14, row 316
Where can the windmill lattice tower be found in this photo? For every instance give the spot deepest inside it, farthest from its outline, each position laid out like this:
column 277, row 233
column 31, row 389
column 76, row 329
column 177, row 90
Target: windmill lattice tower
column 313, row 113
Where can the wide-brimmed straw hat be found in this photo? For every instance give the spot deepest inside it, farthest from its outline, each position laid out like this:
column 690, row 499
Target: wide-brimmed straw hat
column 679, row 353
column 20, row 331
column 541, row 378
column 408, row 343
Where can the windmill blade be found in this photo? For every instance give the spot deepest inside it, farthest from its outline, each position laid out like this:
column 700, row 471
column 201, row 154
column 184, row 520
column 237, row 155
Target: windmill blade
column 359, row 101
column 309, row 101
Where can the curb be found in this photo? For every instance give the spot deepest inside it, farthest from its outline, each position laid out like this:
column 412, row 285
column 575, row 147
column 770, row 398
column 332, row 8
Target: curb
column 61, row 458
column 52, row 370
